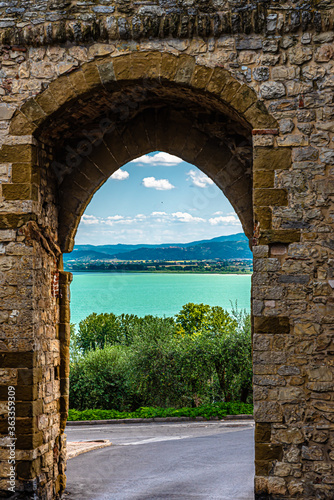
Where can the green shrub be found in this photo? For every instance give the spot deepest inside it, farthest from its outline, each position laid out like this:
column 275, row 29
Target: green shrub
column 99, row 380
column 126, row 362
column 216, row 410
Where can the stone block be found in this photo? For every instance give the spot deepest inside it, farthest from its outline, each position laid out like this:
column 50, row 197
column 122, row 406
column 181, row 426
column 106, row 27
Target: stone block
column 14, row 221
column 106, row 72
column 282, row 469
column 263, row 215
column 29, row 469
column 92, row 75
column 270, row 197
column 321, row 374
column 261, row 485
column 218, row 81
column 291, row 435
column 261, row 74
column 201, row 77
column 272, row 159
column 24, row 173
column 286, row 125
column 268, row 451
column 312, row 453
column 169, row 66
column 32, row 110
column 260, row 252
column 18, row 359
column 62, row 90
column 185, row 69
column 301, row 279
column 279, row 236
column 258, row 116
column 21, row 153
column 276, row 486
column 305, row 154
column 146, row 65
column 299, row 54
column 263, row 179
column 47, row 102
column 78, row 81
column 271, row 325
column 291, row 394
column 268, row 411
column 243, row 99
column 293, row 140
column 306, row 329
column 262, row 467
column 20, row 125
column 272, row 90
column 262, row 432
column 229, row 91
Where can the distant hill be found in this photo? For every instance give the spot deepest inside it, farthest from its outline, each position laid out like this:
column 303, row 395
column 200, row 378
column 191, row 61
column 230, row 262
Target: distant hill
column 203, row 251
column 234, row 246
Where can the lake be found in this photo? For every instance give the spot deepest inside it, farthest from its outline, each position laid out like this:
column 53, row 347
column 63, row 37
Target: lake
column 154, row 293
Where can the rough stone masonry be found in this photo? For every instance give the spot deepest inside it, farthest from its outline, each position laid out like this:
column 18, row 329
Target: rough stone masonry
column 243, row 89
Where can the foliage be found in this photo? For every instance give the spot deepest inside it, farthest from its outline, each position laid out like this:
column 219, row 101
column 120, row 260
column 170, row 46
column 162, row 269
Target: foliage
column 97, row 330
column 123, row 362
column 99, row 379
column 192, row 317
column 153, row 370
column 215, row 410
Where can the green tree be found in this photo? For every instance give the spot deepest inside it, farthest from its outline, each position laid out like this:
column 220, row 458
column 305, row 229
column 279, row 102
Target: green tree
column 154, row 372
column 192, row 318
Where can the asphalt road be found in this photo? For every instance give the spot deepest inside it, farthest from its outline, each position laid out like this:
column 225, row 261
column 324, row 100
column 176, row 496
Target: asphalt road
column 177, row 461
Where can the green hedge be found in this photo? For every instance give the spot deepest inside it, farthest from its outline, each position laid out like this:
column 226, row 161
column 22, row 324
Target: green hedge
column 219, row 410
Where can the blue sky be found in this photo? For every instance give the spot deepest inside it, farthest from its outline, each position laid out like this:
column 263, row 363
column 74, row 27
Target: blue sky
column 157, row 198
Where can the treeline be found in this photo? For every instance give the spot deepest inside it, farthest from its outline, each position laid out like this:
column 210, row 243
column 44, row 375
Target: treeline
column 201, row 356
column 222, row 267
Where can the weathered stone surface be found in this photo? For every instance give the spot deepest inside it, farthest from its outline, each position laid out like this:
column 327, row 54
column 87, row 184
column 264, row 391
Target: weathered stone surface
column 312, row 453
column 193, row 79
column 261, row 74
column 300, row 54
column 286, row 125
column 276, row 486
column 272, row 90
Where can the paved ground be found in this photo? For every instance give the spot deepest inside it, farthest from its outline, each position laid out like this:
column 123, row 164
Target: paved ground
column 177, row 461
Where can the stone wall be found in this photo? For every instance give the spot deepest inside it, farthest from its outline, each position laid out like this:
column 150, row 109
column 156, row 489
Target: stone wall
column 41, row 22
column 255, row 94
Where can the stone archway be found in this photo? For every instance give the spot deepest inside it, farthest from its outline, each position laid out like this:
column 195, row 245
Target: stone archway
column 81, row 129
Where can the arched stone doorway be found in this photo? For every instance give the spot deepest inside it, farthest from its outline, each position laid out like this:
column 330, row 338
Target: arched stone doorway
column 67, row 141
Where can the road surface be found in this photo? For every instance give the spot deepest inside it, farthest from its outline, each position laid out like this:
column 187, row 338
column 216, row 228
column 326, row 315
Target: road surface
column 176, row 461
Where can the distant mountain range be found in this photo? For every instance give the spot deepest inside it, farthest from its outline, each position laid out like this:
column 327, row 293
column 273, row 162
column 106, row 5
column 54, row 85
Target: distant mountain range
column 234, row 246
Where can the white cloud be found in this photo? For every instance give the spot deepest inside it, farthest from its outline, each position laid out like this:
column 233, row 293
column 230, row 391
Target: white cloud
column 160, row 159
column 115, row 217
column 185, row 217
column 227, row 220
column 120, row 175
column 89, row 219
column 158, row 214
column 199, row 179
column 158, row 184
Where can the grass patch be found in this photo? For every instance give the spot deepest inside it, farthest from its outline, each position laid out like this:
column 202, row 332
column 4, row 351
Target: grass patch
column 219, row 410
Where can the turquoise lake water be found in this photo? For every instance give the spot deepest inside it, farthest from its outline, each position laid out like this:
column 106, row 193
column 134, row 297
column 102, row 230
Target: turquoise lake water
column 154, row 293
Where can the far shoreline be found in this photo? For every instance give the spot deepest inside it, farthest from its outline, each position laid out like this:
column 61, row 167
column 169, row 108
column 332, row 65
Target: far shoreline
column 246, row 273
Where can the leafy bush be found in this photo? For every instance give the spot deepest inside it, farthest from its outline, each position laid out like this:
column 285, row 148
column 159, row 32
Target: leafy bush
column 99, row 379
column 216, row 410
column 124, row 362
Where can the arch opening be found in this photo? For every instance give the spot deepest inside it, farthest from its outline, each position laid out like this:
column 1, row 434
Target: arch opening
column 173, row 119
